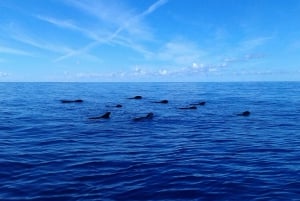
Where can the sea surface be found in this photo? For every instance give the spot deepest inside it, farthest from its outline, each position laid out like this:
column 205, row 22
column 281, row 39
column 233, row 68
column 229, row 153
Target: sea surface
column 53, row 151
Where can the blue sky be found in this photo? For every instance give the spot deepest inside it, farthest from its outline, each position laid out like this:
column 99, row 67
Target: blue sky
column 149, row 40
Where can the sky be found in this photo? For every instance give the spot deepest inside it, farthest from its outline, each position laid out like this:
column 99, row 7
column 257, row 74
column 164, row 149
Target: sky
column 149, row 40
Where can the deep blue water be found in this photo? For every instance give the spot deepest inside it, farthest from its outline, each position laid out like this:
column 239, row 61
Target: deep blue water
column 52, row 151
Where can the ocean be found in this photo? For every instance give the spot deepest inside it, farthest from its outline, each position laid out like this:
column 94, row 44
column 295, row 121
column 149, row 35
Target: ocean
column 53, row 151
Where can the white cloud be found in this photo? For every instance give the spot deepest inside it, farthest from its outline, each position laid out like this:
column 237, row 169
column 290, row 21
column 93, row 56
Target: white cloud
column 3, row 74
column 253, row 43
column 185, row 58
column 22, row 35
column 195, row 65
column 56, row 48
column 127, row 42
column 120, row 17
column 249, row 72
column 231, row 59
column 61, row 23
column 253, row 56
column 23, row 38
column 69, row 24
column 240, row 59
column 9, row 50
column 139, row 71
column 212, row 69
column 47, row 46
column 116, row 14
column 180, row 52
column 110, row 13
column 153, row 7
column 163, row 72
column 73, row 52
column 91, row 76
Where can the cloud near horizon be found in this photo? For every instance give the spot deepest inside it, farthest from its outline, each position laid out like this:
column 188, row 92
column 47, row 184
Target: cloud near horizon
column 3, row 74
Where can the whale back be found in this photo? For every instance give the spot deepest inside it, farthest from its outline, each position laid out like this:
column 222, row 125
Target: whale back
column 106, row 115
column 149, row 115
column 245, row 113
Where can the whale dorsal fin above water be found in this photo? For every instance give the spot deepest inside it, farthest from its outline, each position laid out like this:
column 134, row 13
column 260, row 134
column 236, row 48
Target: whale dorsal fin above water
column 148, row 116
column 202, row 103
column 104, row 116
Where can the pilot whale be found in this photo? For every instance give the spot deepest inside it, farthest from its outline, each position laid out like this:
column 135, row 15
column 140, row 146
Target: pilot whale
column 117, row 105
column 245, row 114
column 148, row 116
column 72, row 101
column 200, row 103
column 136, row 97
column 104, row 116
column 162, row 101
column 188, row 108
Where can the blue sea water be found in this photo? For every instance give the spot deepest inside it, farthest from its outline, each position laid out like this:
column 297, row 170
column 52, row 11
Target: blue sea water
column 52, row 151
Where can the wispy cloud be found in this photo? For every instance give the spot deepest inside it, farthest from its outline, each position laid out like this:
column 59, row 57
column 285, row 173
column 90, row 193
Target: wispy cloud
column 3, row 74
column 245, row 58
column 129, row 43
column 242, row 52
column 187, row 60
column 154, row 7
column 23, row 38
column 61, row 23
column 97, row 38
column 171, row 71
column 74, row 52
column 68, row 24
column 9, row 50
column 253, row 43
column 133, row 21
column 180, row 52
column 94, row 76
column 184, row 58
column 20, row 34
column 108, row 13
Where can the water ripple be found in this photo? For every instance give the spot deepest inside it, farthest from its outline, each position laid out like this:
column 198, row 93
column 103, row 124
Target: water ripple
column 52, row 151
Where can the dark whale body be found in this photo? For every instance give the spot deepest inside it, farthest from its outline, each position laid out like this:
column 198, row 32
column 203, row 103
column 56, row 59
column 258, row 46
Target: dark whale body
column 245, row 114
column 200, row 103
column 72, row 101
column 105, row 116
column 118, row 106
column 188, row 108
column 136, row 97
column 148, row 116
column 162, row 101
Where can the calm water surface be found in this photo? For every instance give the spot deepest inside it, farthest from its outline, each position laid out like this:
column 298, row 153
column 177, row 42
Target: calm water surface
column 52, row 151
